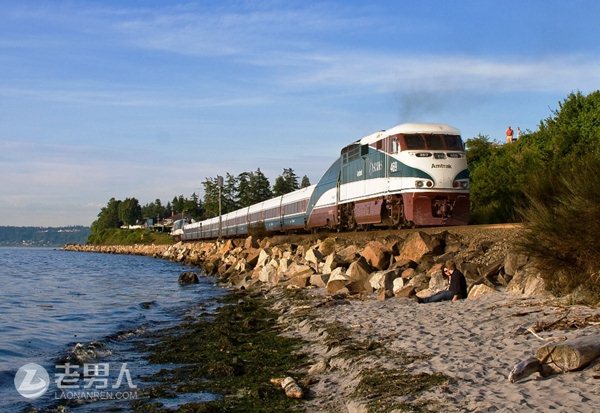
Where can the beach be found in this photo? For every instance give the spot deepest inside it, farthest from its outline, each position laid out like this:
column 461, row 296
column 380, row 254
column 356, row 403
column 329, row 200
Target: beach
column 473, row 344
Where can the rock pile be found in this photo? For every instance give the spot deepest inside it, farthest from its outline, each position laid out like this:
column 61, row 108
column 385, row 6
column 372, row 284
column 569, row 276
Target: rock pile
column 390, row 267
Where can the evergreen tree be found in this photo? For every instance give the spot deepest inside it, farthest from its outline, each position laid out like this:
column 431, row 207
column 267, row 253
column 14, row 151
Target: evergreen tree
column 305, row 182
column 229, row 194
column 130, row 211
column 286, row 182
column 108, row 217
column 244, row 196
column 211, row 197
column 260, row 187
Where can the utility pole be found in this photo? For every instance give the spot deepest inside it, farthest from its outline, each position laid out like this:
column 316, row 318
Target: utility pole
column 220, row 185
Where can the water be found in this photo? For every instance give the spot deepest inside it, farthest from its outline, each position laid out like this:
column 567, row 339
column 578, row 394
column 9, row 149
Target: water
column 50, row 300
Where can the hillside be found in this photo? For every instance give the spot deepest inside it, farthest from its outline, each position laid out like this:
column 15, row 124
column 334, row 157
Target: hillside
column 42, row 236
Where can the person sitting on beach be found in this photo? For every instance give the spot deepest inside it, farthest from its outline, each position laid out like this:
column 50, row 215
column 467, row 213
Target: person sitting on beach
column 457, row 289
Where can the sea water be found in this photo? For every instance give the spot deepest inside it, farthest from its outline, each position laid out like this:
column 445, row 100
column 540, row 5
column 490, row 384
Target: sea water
column 52, row 301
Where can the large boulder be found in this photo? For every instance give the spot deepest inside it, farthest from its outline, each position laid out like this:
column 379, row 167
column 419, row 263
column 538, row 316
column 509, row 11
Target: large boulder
column 331, row 263
column 416, row 246
column 337, row 280
column 313, row 256
column 319, row 280
column 377, row 255
column 437, row 280
column 480, row 290
column 327, row 246
column 527, row 281
column 250, row 243
column 263, row 257
column 359, row 270
column 514, row 262
column 348, row 254
column 384, row 279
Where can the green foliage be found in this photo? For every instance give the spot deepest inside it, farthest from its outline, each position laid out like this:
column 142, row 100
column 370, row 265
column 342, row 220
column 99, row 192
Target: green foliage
column 118, row 236
column 562, row 223
column 286, row 182
column 154, row 210
column 305, row 182
column 130, row 211
column 108, row 217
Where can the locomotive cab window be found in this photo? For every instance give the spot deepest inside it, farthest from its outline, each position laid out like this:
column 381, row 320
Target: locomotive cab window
column 432, row 142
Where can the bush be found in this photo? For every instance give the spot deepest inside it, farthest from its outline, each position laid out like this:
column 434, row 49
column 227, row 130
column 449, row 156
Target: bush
column 561, row 227
column 118, row 236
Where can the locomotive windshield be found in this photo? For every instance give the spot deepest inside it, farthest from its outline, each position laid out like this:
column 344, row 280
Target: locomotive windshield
column 424, row 141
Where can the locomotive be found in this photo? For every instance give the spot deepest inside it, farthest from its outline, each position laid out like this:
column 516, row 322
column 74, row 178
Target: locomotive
column 409, row 175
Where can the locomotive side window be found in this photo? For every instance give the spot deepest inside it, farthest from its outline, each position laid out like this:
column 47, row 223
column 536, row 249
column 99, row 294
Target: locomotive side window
column 413, row 142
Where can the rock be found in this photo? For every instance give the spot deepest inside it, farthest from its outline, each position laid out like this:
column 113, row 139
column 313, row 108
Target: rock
column 252, row 257
column 263, row 257
column 319, row 280
column 438, row 281
column 384, row 279
column 419, row 281
column 331, row 263
column 313, row 256
column 337, row 280
column 348, row 254
column 269, row 274
column 297, row 270
column 407, row 291
column 319, row 367
column 377, row 255
column 292, row 389
column 227, row 247
column 327, row 246
column 408, row 273
column 398, row 284
column 188, row 277
column 416, row 246
column 251, row 243
column 359, row 270
column 480, row 290
column 528, row 282
column 514, row 262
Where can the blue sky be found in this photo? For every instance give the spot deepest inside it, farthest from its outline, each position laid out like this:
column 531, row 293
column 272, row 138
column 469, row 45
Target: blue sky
column 148, row 98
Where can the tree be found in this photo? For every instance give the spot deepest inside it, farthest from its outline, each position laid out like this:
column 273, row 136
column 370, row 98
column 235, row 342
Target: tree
column 305, row 182
column 260, row 188
column 286, row 182
column 108, row 217
column 154, row 210
column 211, row 197
column 130, row 211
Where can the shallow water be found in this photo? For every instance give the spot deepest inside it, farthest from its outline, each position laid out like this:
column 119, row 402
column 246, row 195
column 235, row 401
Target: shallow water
column 50, row 300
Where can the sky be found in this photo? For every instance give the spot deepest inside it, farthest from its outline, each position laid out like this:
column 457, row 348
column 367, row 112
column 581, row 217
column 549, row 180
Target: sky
column 146, row 99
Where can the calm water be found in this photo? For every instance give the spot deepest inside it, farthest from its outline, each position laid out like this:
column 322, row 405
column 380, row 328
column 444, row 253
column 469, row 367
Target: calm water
column 50, row 300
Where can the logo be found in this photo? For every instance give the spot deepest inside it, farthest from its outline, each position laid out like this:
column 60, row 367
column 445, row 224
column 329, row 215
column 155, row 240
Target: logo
column 32, row 381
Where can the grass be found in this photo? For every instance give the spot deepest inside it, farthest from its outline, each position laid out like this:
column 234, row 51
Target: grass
column 118, row 236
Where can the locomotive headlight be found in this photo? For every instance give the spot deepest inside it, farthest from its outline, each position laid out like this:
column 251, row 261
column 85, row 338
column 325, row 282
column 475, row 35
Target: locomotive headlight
column 429, row 184
column 419, row 184
column 460, row 184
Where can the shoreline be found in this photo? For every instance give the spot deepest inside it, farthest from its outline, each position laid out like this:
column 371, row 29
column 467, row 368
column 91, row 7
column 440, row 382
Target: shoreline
column 366, row 351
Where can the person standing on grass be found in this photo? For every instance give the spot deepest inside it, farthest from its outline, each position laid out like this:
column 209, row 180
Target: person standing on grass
column 457, row 289
column 509, row 135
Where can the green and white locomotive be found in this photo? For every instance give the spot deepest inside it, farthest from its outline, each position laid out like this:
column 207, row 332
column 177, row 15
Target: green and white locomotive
column 409, row 175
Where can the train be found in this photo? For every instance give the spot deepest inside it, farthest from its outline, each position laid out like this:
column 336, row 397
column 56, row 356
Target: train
column 411, row 175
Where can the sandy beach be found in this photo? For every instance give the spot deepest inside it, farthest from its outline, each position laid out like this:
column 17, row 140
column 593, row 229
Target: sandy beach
column 474, row 344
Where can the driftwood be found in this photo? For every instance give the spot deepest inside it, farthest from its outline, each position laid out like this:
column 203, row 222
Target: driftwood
column 571, row 354
column 559, row 357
